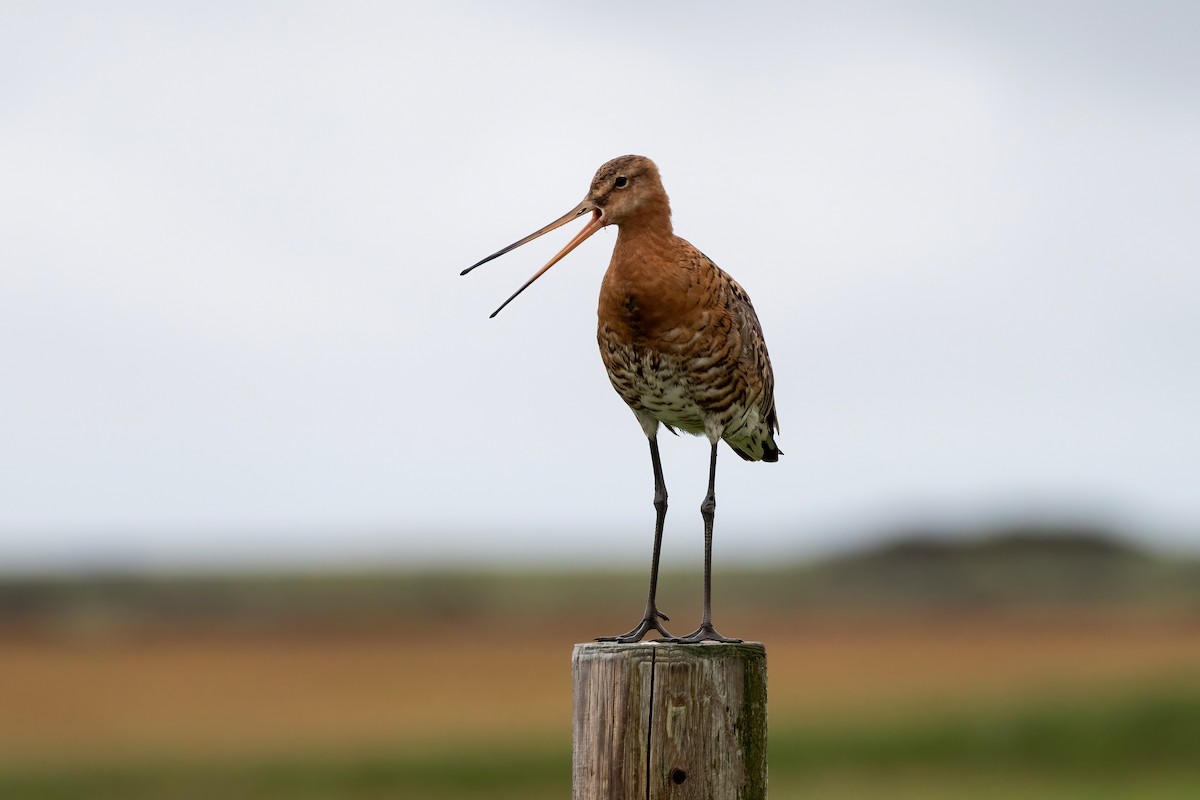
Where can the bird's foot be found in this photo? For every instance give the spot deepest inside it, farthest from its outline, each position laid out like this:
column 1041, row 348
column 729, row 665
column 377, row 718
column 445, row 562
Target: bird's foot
column 649, row 623
column 705, row 633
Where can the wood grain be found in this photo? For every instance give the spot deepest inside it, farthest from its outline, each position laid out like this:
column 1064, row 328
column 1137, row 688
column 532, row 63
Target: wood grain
column 680, row 721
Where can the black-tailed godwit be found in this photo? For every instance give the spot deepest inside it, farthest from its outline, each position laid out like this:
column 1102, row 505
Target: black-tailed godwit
column 681, row 343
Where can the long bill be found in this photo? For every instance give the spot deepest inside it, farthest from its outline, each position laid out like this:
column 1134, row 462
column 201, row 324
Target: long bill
column 594, row 224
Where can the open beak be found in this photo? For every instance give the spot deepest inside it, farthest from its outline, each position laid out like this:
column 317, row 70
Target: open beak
column 594, row 224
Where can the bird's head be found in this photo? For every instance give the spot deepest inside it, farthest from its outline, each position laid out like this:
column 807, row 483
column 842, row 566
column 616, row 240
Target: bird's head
column 626, row 191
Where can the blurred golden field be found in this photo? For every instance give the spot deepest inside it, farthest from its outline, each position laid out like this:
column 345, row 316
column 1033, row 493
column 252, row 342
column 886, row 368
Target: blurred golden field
column 457, row 686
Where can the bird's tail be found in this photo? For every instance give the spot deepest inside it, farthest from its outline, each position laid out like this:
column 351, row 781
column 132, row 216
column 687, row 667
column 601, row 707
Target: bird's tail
column 770, row 451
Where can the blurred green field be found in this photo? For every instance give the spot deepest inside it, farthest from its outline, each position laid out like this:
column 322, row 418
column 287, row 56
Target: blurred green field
column 1142, row 745
column 1020, row 667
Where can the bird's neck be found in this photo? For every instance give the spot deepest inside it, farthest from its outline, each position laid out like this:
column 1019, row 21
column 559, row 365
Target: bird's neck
column 649, row 231
column 641, row 251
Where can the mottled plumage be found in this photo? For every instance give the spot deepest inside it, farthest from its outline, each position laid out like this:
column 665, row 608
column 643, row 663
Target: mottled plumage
column 680, row 341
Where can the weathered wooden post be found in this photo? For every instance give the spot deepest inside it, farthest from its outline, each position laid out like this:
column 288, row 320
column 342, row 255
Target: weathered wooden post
column 679, row 721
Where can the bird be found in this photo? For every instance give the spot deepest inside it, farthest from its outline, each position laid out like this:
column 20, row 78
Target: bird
column 682, row 346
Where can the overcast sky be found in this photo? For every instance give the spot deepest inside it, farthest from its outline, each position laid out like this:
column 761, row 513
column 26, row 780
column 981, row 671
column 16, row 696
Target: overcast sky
column 232, row 327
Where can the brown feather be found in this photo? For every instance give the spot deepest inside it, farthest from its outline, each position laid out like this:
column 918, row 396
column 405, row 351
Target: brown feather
column 679, row 337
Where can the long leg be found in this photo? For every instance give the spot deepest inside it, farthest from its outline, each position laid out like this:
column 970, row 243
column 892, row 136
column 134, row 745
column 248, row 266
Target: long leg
column 650, row 620
column 708, row 508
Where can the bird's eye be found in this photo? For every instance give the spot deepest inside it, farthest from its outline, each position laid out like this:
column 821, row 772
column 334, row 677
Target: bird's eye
column 620, row 182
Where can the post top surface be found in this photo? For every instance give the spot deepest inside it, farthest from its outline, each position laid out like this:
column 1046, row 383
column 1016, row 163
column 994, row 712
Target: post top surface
column 670, row 649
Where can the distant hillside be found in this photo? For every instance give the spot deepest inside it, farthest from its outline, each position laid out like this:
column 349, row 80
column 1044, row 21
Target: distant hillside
column 1008, row 567
column 1006, row 543
column 1018, row 568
